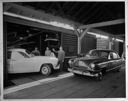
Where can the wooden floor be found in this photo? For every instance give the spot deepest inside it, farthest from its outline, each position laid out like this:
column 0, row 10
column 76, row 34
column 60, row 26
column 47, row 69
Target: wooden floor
column 112, row 86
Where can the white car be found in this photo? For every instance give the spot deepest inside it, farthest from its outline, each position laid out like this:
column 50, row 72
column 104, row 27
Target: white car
column 19, row 61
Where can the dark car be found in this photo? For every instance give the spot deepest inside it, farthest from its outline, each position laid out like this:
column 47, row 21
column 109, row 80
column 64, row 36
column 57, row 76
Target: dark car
column 96, row 63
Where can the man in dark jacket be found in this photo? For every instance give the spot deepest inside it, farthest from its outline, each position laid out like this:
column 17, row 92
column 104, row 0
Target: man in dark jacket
column 61, row 56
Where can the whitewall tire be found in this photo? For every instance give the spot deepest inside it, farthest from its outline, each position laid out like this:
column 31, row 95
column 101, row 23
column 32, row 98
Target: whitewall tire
column 46, row 70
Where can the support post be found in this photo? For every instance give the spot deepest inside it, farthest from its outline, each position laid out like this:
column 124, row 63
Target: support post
column 79, row 45
column 78, row 41
column 83, row 33
column 110, row 43
column 80, row 36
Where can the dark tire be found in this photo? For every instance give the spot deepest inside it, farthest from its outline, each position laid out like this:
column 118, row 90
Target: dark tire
column 103, row 71
column 46, row 70
column 76, row 74
column 100, row 76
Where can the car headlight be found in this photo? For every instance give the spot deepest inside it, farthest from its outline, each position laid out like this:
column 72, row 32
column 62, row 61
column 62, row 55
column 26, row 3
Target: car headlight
column 70, row 61
column 92, row 65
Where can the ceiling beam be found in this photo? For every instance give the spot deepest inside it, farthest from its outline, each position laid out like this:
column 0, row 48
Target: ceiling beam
column 102, row 24
column 121, row 35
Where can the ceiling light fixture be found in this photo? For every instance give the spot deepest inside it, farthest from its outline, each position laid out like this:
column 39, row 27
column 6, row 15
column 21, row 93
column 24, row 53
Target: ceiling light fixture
column 98, row 35
column 119, row 40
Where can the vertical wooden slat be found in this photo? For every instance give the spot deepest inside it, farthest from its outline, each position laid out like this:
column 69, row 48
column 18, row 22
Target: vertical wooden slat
column 69, row 42
column 87, row 43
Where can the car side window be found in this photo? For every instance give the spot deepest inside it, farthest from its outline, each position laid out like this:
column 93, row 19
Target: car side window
column 104, row 54
column 115, row 56
column 23, row 54
column 110, row 56
column 17, row 56
column 95, row 53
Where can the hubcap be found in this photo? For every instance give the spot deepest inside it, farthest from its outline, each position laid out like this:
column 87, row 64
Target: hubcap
column 45, row 70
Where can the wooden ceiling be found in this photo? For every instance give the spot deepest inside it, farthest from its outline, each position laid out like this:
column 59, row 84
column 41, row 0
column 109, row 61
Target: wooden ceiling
column 82, row 12
column 85, row 12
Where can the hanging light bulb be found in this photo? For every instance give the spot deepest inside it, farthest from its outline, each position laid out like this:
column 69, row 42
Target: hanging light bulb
column 21, row 38
column 46, row 36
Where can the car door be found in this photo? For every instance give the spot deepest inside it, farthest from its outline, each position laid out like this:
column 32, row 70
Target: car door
column 21, row 64
column 117, row 59
column 113, row 60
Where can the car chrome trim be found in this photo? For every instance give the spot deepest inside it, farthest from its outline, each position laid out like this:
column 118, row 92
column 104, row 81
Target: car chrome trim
column 82, row 73
column 113, row 68
column 107, row 62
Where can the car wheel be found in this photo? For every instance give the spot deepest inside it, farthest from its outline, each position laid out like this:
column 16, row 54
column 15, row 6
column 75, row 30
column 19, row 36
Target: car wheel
column 46, row 70
column 100, row 76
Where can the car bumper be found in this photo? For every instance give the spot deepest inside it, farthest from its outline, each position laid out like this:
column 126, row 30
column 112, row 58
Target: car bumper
column 56, row 67
column 86, row 73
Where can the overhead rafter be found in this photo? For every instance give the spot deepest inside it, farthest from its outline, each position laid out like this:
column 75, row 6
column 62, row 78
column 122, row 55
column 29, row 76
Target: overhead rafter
column 60, row 9
column 107, row 10
column 101, row 24
column 92, row 15
column 50, row 7
column 80, row 10
column 73, row 7
column 88, row 12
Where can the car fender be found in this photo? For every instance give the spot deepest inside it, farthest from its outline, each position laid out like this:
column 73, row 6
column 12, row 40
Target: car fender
column 40, row 60
column 103, row 65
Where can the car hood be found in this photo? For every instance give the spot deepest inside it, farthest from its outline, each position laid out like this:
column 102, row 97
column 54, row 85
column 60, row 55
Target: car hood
column 44, row 58
column 91, row 59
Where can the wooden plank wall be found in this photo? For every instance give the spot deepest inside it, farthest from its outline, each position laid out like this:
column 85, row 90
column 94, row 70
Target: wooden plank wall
column 69, row 43
column 102, row 43
column 88, row 43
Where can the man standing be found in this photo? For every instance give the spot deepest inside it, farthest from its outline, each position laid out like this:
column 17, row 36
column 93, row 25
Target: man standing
column 47, row 52
column 61, row 56
column 36, row 52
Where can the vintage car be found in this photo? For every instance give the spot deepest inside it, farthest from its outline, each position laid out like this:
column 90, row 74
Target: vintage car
column 96, row 63
column 19, row 61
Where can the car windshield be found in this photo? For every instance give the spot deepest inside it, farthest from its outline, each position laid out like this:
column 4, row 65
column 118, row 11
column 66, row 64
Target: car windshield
column 98, row 53
column 28, row 52
column 25, row 55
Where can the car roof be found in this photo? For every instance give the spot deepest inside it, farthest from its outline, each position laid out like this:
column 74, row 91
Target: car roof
column 105, row 50
column 17, row 49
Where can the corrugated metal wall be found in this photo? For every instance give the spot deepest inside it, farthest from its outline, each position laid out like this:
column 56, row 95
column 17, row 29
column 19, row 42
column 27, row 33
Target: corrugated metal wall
column 69, row 43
